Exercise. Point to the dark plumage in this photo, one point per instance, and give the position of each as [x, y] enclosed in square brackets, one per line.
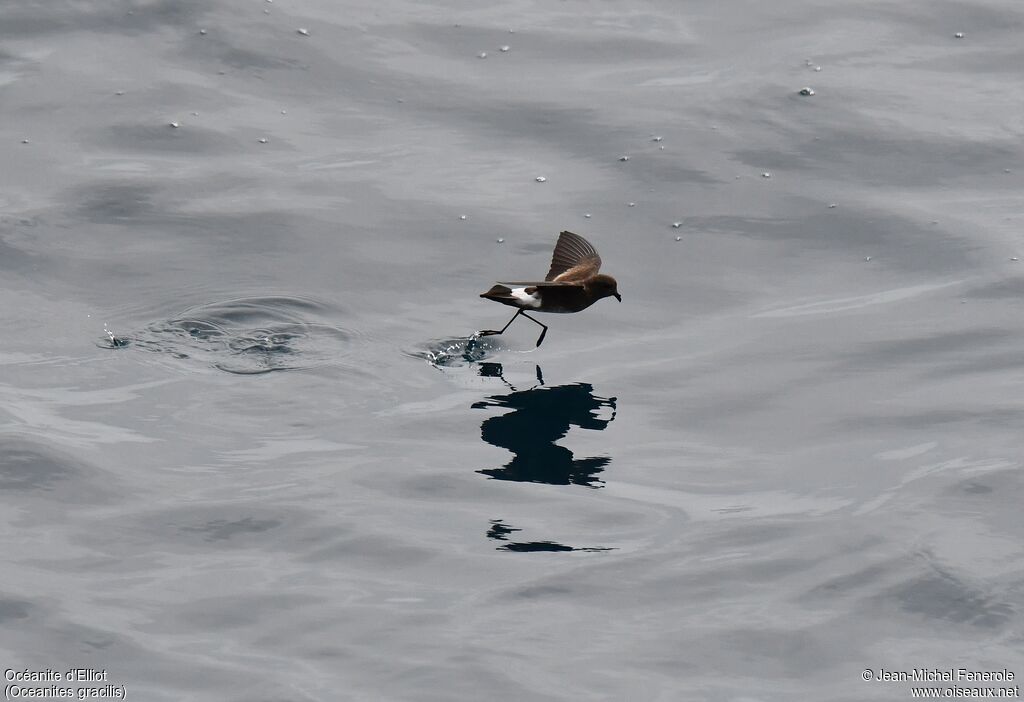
[572, 284]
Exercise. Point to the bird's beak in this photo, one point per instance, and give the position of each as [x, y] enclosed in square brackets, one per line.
[618, 297]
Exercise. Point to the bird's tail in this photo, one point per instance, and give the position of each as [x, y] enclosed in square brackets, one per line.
[498, 292]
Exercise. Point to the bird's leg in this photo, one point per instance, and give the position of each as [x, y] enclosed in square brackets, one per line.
[491, 332]
[540, 339]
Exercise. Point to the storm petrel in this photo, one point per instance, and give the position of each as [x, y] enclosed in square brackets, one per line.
[572, 284]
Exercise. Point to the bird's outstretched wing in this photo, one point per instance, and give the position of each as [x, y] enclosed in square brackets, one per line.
[574, 259]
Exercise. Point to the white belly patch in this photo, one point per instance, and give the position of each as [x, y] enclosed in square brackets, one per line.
[527, 299]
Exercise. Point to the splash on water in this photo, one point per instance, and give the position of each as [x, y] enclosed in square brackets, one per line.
[448, 353]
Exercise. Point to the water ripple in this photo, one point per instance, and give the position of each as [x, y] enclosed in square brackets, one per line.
[248, 336]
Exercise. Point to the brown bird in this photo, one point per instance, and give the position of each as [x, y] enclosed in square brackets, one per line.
[572, 284]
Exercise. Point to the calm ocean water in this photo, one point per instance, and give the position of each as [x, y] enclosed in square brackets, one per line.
[247, 452]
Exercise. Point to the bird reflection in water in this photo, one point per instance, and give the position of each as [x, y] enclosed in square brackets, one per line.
[540, 416]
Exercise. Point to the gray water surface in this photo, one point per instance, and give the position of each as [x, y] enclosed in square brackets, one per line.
[250, 450]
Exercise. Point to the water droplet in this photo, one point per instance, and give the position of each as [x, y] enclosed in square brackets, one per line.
[623, 158]
[263, 140]
[806, 91]
[303, 31]
[175, 125]
[505, 48]
[959, 35]
[766, 174]
[462, 216]
[540, 179]
[501, 241]
[679, 238]
[632, 204]
[676, 225]
[482, 54]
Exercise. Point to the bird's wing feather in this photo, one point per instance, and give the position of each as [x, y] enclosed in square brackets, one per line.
[574, 259]
[542, 283]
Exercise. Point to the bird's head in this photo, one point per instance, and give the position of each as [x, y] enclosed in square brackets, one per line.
[605, 286]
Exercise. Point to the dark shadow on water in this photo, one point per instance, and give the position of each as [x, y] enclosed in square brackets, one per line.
[500, 532]
[541, 416]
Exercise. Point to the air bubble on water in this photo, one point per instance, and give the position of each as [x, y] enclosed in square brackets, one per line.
[540, 179]
[303, 31]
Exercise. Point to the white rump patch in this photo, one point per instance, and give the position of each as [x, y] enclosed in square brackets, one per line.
[528, 299]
